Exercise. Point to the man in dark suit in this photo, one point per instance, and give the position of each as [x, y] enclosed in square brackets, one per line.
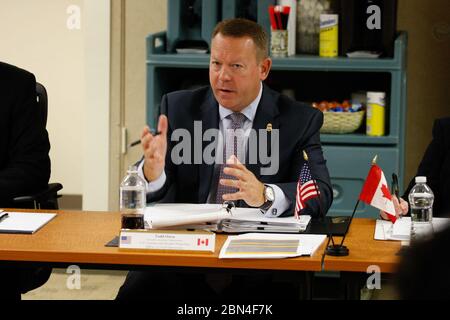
[435, 165]
[238, 67]
[24, 160]
[236, 100]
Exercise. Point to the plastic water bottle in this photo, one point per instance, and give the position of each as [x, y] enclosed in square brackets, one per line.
[421, 200]
[132, 200]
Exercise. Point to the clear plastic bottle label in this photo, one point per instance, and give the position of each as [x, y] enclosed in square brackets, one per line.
[132, 200]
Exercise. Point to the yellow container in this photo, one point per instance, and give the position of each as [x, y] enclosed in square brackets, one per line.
[376, 111]
[329, 35]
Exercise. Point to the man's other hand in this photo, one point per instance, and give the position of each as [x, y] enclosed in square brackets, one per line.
[401, 208]
[155, 149]
[250, 189]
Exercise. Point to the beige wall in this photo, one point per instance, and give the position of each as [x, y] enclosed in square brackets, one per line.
[74, 66]
[34, 36]
[131, 22]
[96, 143]
[428, 26]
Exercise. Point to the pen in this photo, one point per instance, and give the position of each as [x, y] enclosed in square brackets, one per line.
[395, 186]
[4, 216]
[135, 143]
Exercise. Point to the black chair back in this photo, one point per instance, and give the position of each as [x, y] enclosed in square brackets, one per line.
[48, 198]
[42, 101]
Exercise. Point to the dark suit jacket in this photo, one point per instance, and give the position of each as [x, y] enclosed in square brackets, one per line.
[298, 126]
[24, 144]
[435, 166]
[423, 273]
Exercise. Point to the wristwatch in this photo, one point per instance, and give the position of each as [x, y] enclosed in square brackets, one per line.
[269, 198]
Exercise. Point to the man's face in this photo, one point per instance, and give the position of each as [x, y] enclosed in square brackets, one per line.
[235, 72]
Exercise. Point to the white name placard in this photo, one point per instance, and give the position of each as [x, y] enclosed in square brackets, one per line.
[167, 240]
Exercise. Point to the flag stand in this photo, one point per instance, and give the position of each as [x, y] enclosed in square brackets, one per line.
[367, 195]
[339, 250]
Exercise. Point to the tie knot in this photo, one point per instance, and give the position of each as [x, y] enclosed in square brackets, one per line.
[237, 119]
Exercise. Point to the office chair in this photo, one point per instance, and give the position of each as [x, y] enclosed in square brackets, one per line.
[47, 198]
[33, 277]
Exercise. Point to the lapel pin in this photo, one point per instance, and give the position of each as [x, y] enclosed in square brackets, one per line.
[269, 127]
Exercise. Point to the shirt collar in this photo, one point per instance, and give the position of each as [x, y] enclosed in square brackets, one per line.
[249, 111]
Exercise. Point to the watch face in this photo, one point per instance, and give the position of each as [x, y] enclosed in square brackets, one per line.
[270, 196]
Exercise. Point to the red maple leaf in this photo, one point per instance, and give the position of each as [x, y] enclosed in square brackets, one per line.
[385, 191]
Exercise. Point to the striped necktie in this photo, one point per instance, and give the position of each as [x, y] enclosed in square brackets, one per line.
[233, 144]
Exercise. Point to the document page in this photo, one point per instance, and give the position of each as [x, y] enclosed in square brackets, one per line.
[400, 231]
[24, 222]
[270, 246]
[386, 230]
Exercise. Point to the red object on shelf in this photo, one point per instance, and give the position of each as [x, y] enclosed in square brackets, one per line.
[272, 17]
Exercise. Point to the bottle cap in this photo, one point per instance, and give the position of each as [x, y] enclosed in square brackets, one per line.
[421, 179]
[132, 167]
[376, 98]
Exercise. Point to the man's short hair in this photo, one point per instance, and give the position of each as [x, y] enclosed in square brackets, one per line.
[239, 28]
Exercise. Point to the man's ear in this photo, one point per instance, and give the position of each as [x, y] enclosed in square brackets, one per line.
[265, 66]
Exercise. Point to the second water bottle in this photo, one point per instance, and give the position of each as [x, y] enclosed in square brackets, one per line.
[421, 200]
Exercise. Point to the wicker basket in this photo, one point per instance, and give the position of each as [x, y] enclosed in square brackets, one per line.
[342, 122]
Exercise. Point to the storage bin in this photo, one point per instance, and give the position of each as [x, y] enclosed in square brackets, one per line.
[342, 122]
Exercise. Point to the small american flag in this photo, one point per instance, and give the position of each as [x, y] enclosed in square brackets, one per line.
[125, 239]
[306, 189]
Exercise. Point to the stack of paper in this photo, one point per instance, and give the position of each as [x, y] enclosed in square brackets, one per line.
[255, 221]
[214, 217]
[364, 54]
[270, 246]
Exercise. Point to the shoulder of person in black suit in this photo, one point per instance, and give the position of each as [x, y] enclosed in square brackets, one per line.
[435, 165]
[24, 144]
[423, 270]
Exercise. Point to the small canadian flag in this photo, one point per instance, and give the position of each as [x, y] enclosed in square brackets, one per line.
[376, 193]
[202, 242]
